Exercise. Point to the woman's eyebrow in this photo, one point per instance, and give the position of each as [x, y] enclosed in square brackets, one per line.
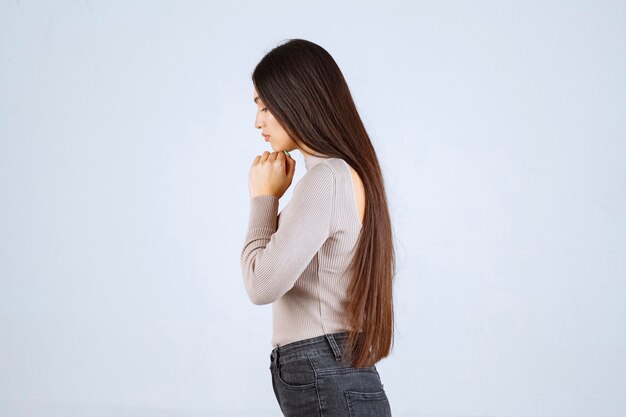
[256, 99]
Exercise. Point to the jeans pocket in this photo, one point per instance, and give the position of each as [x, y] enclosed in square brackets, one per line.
[296, 373]
[367, 404]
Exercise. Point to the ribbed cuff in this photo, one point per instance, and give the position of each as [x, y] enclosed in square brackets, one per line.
[263, 212]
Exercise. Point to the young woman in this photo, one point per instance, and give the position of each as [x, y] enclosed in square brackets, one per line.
[326, 261]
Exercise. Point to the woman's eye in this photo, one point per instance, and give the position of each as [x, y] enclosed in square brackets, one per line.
[264, 109]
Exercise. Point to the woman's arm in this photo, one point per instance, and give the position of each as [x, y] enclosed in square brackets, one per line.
[273, 257]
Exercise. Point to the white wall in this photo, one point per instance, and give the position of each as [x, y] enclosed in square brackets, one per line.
[126, 135]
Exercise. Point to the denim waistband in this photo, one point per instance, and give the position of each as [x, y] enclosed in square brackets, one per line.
[330, 343]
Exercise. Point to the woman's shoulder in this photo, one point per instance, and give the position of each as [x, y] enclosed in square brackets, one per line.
[322, 174]
[327, 164]
[325, 172]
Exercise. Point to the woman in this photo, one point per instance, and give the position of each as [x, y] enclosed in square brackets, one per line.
[326, 261]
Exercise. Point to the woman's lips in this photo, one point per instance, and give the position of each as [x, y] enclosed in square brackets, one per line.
[267, 138]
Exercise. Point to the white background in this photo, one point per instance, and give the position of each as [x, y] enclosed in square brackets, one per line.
[127, 131]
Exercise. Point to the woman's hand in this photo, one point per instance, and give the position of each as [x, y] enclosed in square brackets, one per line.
[271, 173]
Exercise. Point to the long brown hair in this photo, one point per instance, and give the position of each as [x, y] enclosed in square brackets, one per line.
[304, 89]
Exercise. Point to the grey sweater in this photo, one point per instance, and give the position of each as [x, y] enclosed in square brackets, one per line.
[297, 259]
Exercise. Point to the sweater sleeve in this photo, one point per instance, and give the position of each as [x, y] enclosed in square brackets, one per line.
[273, 257]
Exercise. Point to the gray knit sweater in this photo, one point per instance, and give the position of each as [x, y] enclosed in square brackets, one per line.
[297, 259]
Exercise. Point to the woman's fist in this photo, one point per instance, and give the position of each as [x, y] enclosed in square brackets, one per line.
[271, 173]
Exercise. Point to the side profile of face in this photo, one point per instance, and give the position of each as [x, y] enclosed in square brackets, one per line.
[271, 130]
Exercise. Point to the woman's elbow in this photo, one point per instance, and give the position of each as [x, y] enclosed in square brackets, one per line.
[259, 298]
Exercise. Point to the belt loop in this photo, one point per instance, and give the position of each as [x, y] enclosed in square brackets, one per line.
[333, 346]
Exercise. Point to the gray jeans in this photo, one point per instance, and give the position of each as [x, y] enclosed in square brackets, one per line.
[309, 379]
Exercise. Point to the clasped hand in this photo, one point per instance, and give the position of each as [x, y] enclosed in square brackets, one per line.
[271, 174]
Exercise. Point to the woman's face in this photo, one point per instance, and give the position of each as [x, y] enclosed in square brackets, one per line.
[278, 137]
